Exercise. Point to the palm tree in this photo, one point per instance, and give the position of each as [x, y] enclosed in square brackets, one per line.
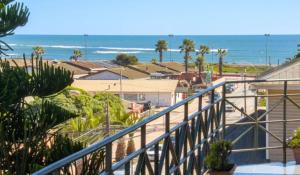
[161, 46]
[204, 49]
[38, 51]
[221, 53]
[187, 47]
[200, 63]
[76, 55]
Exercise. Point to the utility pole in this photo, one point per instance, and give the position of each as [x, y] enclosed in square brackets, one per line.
[121, 85]
[245, 93]
[107, 120]
[170, 46]
[85, 44]
[267, 40]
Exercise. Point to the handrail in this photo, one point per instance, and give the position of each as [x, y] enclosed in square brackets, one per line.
[108, 140]
[94, 147]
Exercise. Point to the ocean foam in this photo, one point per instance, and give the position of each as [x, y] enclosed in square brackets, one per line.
[127, 49]
[116, 52]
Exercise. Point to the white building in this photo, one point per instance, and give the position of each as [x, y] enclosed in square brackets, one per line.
[160, 92]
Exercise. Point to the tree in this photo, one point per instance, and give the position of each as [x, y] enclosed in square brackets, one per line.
[12, 16]
[160, 47]
[26, 126]
[221, 53]
[38, 51]
[76, 55]
[200, 63]
[120, 151]
[187, 47]
[201, 58]
[153, 60]
[125, 59]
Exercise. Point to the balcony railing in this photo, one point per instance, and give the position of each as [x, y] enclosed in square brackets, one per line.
[186, 143]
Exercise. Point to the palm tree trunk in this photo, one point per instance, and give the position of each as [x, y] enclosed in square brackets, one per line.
[160, 56]
[220, 66]
[200, 70]
[186, 61]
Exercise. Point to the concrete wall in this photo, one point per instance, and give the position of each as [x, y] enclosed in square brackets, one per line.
[277, 128]
[162, 99]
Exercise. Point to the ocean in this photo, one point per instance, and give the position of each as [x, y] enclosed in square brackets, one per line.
[242, 49]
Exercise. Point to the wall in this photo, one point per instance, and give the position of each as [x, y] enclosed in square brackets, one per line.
[162, 99]
[277, 128]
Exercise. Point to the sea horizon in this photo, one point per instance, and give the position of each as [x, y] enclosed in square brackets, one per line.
[242, 49]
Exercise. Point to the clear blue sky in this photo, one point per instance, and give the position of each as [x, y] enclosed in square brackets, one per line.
[161, 17]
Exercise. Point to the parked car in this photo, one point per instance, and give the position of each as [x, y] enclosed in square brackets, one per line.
[229, 108]
[230, 88]
[151, 152]
[217, 96]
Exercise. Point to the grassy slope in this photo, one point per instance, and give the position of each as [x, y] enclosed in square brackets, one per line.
[235, 68]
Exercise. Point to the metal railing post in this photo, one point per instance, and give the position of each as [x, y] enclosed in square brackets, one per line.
[284, 121]
[186, 113]
[167, 130]
[212, 115]
[223, 111]
[108, 158]
[143, 145]
[200, 130]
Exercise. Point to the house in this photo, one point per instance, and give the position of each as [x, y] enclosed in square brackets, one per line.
[159, 92]
[289, 70]
[77, 71]
[86, 65]
[155, 71]
[116, 74]
[177, 67]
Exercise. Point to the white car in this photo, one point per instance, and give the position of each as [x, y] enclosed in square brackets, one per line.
[229, 108]
[151, 152]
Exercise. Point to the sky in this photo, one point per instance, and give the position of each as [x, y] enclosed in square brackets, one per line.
[162, 17]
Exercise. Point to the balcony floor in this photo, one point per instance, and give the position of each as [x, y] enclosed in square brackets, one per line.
[269, 168]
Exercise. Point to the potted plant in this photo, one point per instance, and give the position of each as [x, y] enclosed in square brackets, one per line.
[294, 143]
[217, 159]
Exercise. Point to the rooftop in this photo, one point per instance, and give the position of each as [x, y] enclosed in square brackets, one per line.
[76, 70]
[86, 65]
[152, 68]
[140, 85]
[178, 67]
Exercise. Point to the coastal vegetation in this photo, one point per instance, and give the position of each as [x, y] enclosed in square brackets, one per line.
[221, 54]
[76, 55]
[203, 50]
[187, 47]
[236, 68]
[13, 15]
[27, 125]
[160, 47]
[125, 59]
[38, 51]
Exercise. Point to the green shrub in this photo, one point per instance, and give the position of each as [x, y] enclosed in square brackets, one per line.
[217, 158]
[294, 142]
[125, 59]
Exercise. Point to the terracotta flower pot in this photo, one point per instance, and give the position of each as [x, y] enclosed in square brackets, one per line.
[229, 172]
[297, 155]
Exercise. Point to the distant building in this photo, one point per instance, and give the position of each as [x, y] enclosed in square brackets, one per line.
[177, 67]
[86, 65]
[290, 70]
[77, 71]
[116, 74]
[155, 71]
[160, 92]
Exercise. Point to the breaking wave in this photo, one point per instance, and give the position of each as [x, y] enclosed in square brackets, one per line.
[116, 52]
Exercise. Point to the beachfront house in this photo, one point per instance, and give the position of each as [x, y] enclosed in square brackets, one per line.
[160, 93]
[116, 74]
[289, 70]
